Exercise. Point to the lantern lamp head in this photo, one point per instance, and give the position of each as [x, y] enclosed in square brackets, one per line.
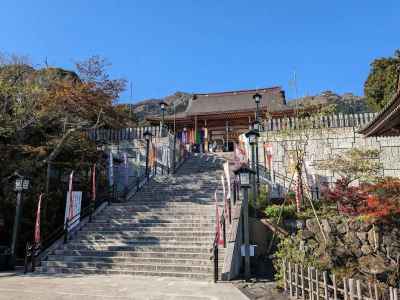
[257, 98]
[244, 175]
[256, 126]
[252, 135]
[163, 105]
[147, 135]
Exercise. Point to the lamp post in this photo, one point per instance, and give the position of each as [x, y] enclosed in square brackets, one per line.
[147, 136]
[252, 136]
[257, 99]
[21, 184]
[257, 127]
[244, 174]
[163, 107]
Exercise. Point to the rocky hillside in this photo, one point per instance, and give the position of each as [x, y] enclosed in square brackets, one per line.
[151, 107]
[344, 103]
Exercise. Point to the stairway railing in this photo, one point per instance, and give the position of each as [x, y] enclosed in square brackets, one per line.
[34, 251]
[221, 225]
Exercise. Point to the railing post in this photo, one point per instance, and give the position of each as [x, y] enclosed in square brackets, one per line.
[27, 254]
[224, 229]
[66, 232]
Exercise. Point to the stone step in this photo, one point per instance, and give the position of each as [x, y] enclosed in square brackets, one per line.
[89, 271]
[171, 213]
[155, 222]
[131, 267]
[143, 229]
[144, 239]
[154, 253]
[149, 248]
[133, 234]
[144, 242]
[133, 260]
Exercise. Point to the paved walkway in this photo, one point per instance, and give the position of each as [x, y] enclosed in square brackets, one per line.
[67, 287]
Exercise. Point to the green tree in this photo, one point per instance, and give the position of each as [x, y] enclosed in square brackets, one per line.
[382, 81]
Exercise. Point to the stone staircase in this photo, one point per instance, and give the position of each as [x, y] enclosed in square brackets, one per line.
[167, 229]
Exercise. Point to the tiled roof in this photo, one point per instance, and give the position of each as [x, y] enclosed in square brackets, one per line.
[273, 99]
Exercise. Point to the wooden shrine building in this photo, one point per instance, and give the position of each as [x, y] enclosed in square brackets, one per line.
[215, 120]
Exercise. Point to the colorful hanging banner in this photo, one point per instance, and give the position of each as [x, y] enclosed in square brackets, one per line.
[69, 196]
[126, 171]
[94, 183]
[37, 223]
[228, 179]
[111, 169]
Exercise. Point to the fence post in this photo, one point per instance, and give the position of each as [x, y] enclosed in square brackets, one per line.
[296, 280]
[310, 285]
[345, 294]
[325, 277]
[302, 281]
[290, 280]
[359, 296]
[334, 287]
[317, 282]
[284, 276]
[351, 288]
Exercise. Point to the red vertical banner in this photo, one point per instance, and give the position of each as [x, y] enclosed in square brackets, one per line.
[94, 183]
[71, 205]
[37, 223]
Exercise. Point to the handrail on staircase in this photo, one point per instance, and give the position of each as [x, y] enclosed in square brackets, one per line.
[33, 250]
[221, 224]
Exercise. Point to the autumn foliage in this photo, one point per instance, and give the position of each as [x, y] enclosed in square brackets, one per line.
[379, 201]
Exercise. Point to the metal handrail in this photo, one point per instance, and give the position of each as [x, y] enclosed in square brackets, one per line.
[33, 250]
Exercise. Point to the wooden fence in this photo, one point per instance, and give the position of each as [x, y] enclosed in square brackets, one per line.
[329, 121]
[311, 284]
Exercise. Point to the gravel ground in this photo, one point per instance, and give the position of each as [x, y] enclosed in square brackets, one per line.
[260, 290]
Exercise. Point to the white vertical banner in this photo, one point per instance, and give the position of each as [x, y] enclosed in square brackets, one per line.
[126, 169]
[228, 179]
[223, 186]
[73, 209]
[111, 169]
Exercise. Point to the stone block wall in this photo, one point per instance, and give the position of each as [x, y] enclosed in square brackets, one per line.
[323, 144]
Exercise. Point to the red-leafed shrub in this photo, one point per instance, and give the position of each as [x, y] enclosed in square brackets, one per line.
[379, 201]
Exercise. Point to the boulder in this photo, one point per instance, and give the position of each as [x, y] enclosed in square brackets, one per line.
[342, 228]
[374, 265]
[362, 236]
[366, 249]
[306, 234]
[312, 225]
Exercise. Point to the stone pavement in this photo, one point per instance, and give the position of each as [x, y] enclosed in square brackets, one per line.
[67, 287]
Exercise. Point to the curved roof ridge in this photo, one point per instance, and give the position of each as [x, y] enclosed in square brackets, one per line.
[265, 89]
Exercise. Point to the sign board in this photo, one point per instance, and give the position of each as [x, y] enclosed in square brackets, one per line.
[76, 210]
[252, 249]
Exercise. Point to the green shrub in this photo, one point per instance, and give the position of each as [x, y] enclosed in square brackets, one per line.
[273, 211]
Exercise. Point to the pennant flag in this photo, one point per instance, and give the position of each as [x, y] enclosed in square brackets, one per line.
[37, 223]
[94, 183]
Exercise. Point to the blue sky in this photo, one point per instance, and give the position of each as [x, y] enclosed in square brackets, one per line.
[204, 46]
